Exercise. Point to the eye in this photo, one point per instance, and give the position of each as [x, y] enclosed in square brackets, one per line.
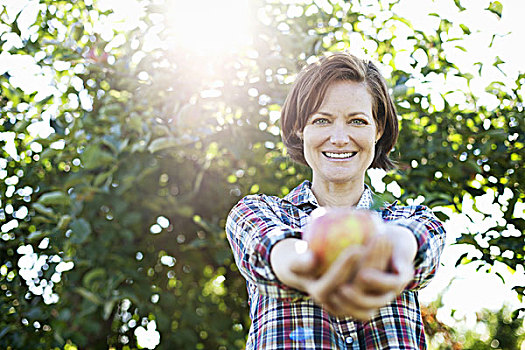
[358, 121]
[320, 121]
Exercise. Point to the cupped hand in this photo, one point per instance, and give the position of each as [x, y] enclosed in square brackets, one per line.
[383, 272]
[360, 281]
[296, 266]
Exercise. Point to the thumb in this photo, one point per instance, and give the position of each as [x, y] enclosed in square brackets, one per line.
[344, 267]
[378, 253]
[340, 272]
[404, 269]
[304, 264]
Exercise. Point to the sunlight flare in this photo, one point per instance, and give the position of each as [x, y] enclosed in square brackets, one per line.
[209, 26]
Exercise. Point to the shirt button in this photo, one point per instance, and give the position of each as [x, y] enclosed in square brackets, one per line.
[349, 340]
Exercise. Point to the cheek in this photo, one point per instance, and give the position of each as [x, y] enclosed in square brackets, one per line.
[311, 140]
[366, 138]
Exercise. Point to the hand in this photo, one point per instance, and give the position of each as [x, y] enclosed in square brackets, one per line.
[296, 266]
[356, 284]
[379, 280]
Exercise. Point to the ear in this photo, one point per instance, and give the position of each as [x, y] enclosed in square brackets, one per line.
[379, 134]
[299, 134]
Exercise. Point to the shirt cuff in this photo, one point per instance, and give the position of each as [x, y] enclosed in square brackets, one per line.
[419, 230]
[271, 286]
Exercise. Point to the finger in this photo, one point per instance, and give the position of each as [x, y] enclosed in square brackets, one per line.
[378, 253]
[344, 267]
[350, 301]
[305, 264]
[338, 306]
[403, 267]
[353, 297]
[339, 272]
[382, 282]
[331, 308]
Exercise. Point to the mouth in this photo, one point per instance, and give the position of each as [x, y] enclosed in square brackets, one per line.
[339, 155]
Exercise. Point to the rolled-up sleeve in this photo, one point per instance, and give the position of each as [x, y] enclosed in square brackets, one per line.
[252, 229]
[430, 237]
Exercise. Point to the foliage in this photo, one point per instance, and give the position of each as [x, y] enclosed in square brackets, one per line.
[116, 218]
[491, 330]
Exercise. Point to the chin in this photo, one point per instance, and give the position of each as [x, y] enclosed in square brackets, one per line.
[340, 180]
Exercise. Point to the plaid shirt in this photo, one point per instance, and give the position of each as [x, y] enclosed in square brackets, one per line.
[285, 318]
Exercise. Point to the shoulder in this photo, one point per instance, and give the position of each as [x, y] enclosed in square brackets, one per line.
[256, 200]
[412, 215]
[256, 203]
[394, 211]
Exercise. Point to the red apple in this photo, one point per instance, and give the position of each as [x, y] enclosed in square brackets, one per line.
[331, 230]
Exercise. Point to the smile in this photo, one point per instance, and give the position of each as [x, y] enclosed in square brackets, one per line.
[345, 155]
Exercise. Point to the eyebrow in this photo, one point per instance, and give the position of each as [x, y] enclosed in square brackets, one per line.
[352, 114]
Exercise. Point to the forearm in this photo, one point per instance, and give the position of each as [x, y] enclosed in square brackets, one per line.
[405, 242]
[284, 258]
[430, 237]
[253, 232]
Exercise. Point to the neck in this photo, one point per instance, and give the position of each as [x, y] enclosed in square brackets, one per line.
[329, 194]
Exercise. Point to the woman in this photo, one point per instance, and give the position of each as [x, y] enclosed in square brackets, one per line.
[339, 120]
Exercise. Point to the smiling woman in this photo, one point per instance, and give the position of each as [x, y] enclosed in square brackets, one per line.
[210, 26]
[340, 121]
[339, 139]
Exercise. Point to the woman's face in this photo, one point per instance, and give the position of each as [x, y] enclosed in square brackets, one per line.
[339, 139]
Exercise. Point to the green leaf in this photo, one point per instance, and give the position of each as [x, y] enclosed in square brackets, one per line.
[162, 143]
[459, 6]
[521, 291]
[42, 209]
[103, 177]
[441, 216]
[64, 222]
[54, 198]
[78, 31]
[95, 299]
[37, 235]
[495, 7]
[94, 157]
[108, 308]
[93, 275]
[81, 229]
[517, 313]
[465, 29]
[6, 330]
[497, 62]
[461, 260]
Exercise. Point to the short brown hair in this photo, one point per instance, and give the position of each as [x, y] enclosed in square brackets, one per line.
[310, 88]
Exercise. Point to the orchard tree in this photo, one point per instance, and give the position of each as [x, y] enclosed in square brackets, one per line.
[124, 152]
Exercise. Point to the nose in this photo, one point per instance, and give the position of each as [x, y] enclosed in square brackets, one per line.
[338, 136]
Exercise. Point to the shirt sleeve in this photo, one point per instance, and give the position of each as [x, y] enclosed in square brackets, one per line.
[252, 229]
[430, 237]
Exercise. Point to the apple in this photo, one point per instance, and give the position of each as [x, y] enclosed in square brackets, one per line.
[331, 230]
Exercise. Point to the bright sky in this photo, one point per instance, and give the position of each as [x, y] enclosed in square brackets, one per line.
[225, 26]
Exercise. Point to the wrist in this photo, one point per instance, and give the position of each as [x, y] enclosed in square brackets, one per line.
[404, 241]
[284, 257]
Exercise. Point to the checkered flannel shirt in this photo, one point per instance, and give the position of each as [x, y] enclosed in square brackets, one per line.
[285, 318]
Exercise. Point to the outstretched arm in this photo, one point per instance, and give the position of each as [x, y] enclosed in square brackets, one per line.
[253, 228]
[360, 281]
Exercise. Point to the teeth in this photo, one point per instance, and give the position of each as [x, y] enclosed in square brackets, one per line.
[339, 155]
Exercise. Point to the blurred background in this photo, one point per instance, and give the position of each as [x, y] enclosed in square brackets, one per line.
[128, 129]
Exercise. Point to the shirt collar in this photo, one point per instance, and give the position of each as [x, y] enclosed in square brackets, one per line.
[303, 194]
